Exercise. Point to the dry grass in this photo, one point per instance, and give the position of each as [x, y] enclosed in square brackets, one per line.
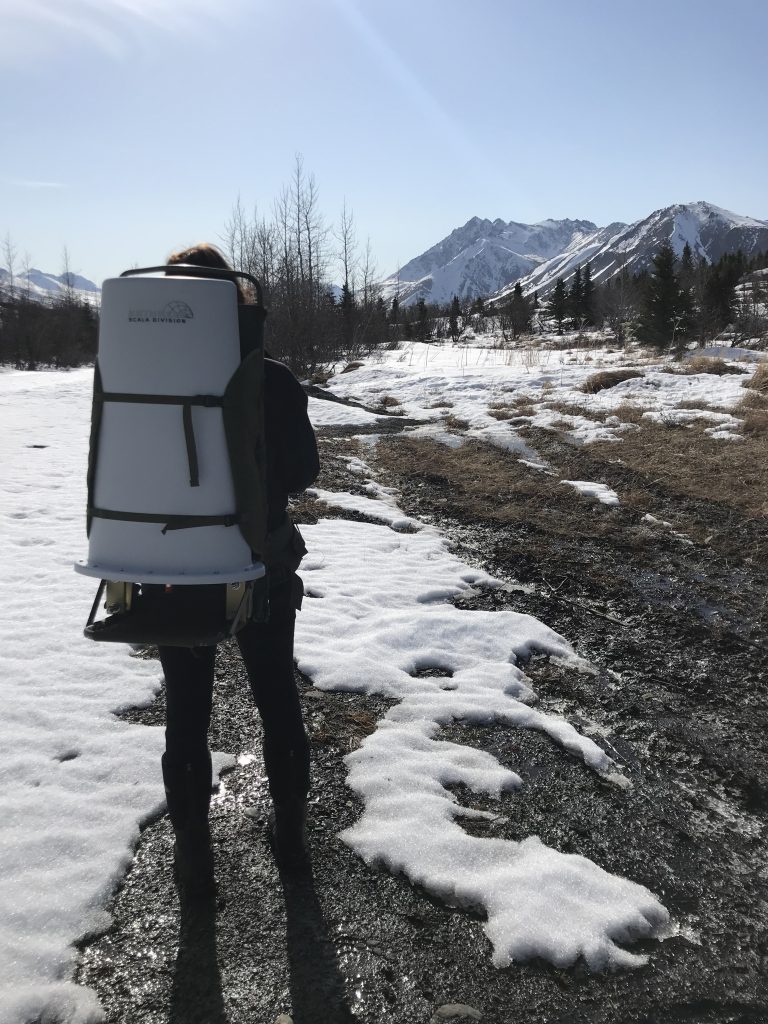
[391, 405]
[756, 423]
[440, 405]
[704, 364]
[629, 413]
[486, 483]
[607, 379]
[573, 409]
[321, 377]
[753, 400]
[509, 408]
[700, 406]
[689, 464]
[759, 380]
[352, 366]
[455, 422]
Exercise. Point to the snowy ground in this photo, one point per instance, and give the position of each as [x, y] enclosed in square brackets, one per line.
[79, 781]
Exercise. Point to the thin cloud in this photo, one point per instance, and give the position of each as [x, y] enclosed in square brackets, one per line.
[26, 183]
[115, 27]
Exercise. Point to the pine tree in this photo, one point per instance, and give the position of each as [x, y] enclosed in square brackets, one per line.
[587, 297]
[687, 268]
[422, 324]
[453, 318]
[558, 304]
[663, 315]
[576, 298]
[520, 311]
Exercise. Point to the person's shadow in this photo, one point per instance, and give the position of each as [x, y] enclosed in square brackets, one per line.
[196, 997]
[315, 980]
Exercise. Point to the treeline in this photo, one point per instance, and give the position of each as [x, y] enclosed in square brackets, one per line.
[60, 332]
[675, 302]
[296, 254]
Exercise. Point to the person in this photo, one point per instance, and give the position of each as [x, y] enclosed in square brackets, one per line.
[266, 648]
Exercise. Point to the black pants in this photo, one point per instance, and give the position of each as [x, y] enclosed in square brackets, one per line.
[267, 651]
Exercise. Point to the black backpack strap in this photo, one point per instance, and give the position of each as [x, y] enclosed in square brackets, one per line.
[186, 402]
[170, 522]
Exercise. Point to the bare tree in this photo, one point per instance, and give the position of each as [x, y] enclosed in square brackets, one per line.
[347, 254]
[9, 256]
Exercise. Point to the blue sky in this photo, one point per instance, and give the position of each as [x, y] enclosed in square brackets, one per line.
[130, 127]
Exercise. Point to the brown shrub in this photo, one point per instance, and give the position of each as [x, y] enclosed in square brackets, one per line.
[607, 379]
[705, 364]
[455, 422]
[755, 422]
[320, 377]
[572, 409]
[629, 413]
[759, 380]
[753, 400]
[389, 401]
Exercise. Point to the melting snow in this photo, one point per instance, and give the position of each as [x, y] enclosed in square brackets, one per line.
[378, 618]
[602, 492]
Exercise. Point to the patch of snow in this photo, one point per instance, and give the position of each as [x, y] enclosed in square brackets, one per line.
[77, 781]
[323, 414]
[375, 508]
[602, 492]
[382, 618]
[648, 518]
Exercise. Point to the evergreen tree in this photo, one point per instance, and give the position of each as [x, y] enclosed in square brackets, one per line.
[576, 298]
[663, 315]
[422, 323]
[587, 311]
[558, 304]
[520, 311]
[453, 318]
[687, 268]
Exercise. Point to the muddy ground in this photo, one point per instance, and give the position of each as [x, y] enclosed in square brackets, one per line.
[676, 632]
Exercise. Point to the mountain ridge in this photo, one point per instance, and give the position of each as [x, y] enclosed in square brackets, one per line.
[487, 258]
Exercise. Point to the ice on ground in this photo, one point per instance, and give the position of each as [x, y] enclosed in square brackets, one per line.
[76, 781]
[602, 492]
[377, 621]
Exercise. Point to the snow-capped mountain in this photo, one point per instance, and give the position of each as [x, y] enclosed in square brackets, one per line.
[709, 230]
[41, 286]
[487, 257]
[481, 257]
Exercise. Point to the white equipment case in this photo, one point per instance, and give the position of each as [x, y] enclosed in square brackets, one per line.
[168, 524]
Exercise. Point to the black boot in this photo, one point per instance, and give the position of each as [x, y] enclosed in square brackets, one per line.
[289, 841]
[188, 792]
[288, 776]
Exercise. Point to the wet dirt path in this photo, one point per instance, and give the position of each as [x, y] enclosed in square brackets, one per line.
[678, 696]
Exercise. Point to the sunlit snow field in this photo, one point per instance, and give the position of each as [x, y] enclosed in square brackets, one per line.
[77, 782]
